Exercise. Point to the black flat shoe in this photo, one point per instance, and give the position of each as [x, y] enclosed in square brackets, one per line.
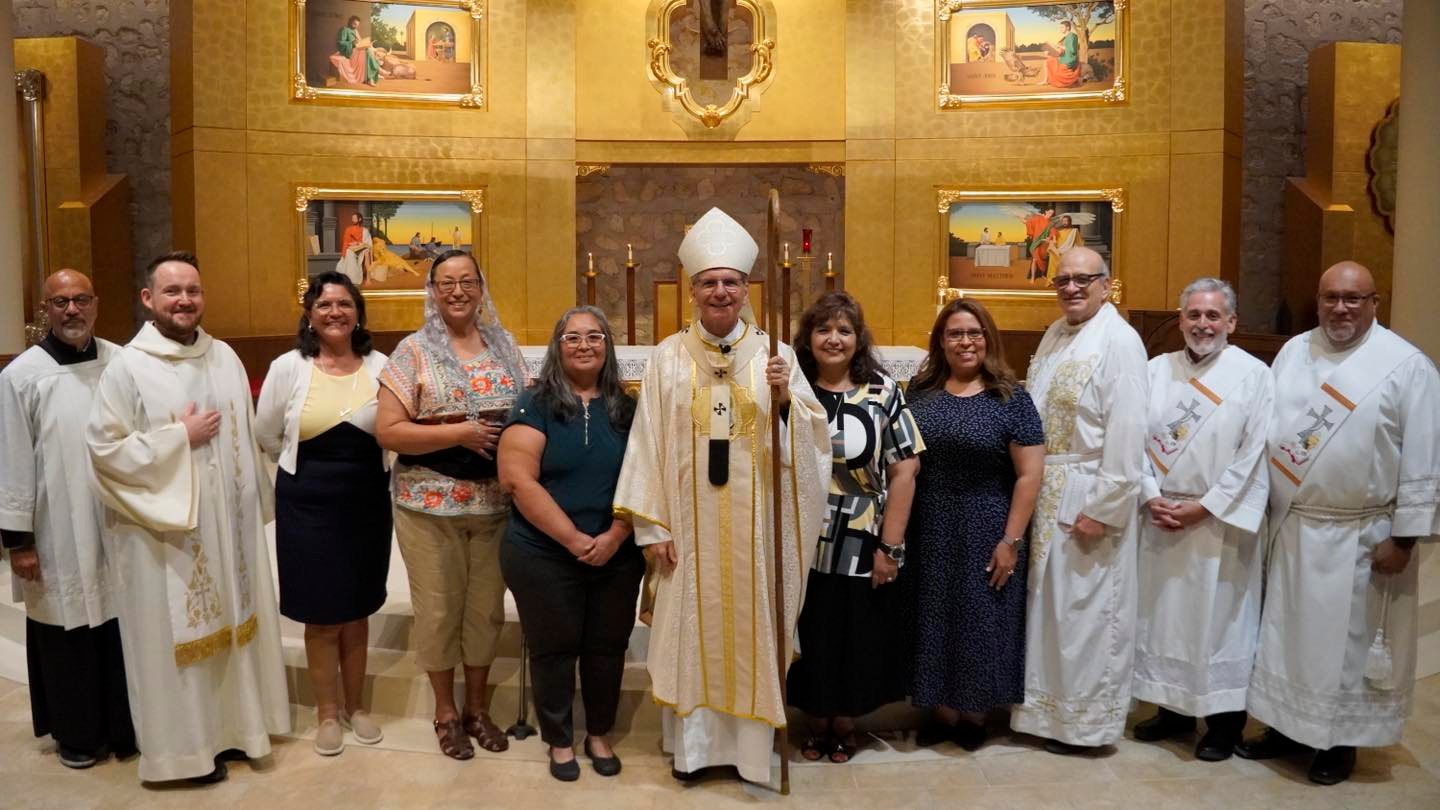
[79, 760]
[1215, 746]
[1333, 765]
[1269, 745]
[217, 775]
[605, 766]
[687, 776]
[1067, 749]
[232, 755]
[1164, 725]
[934, 733]
[564, 771]
[969, 736]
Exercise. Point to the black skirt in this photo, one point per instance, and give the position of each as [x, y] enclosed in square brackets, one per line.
[853, 659]
[333, 528]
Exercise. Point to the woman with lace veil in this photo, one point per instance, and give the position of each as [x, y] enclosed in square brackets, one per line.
[444, 396]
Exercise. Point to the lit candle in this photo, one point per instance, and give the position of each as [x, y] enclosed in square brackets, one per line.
[629, 252]
[787, 251]
[829, 261]
[592, 261]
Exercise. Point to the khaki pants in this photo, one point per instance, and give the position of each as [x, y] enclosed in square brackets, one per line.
[456, 590]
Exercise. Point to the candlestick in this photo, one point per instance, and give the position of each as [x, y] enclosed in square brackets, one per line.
[629, 252]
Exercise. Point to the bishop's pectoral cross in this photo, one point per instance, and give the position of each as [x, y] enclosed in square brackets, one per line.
[714, 38]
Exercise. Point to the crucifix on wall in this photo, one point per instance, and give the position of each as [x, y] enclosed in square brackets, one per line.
[714, 38]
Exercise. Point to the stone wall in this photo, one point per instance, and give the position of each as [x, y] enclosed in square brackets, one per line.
[1279, 35]
[136, 37]
[649, 206]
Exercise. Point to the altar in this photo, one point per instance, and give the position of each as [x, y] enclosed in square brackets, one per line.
[992, 256]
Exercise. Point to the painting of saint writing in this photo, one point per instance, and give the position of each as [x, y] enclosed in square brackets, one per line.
[1053, 48]
[981, 258]
[388, 47]
[384, 244]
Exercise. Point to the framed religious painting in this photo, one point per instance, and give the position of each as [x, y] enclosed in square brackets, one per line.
[419, 52]
[1007, 244]
[384, 239]
[1000, 53]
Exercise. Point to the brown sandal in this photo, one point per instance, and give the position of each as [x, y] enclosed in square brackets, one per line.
[485, 732]
[454, 742]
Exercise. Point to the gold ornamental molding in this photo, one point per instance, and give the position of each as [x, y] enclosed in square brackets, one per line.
[827, 169]
[714, 120]
[592, 169]
[954, 98]
[474, 99]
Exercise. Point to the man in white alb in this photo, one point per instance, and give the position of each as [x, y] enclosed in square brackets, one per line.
[696, 484]
[187, 499]
[50, 524]
[1354, 456]
[1088, 381]
[1204, 491]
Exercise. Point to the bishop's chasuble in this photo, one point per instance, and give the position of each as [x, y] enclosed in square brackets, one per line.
[186, 529]
[1354, 457]
[712, 655]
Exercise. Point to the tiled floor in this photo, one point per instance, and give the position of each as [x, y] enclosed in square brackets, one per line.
[1008, 773]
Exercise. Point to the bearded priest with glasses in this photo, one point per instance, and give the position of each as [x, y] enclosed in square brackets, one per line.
[696, 485]
[1089, 381]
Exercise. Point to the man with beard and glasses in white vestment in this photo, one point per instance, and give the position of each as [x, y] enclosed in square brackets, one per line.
[176, 464]
[1354, 455]
[50, 524]
[1204, 490]
[1088, 380]
[696, 485]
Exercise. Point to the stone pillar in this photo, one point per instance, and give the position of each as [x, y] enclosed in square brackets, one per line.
[12, 207]
[1417, 220]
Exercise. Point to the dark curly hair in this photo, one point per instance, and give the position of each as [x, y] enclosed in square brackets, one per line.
[865, 365]
[305, 339]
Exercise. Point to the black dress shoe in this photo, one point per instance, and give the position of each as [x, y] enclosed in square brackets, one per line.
[1333, 765]
[564, 771]
[605, 766]
[1164, 725]
[232, 755]
[1067, 749]
[969, 736]
[1215, 746]
[77, 759]
[217, 775]
[687, 776]
[1269, 745]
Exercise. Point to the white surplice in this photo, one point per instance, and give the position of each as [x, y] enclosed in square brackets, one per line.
[1199, 611]
[1377, 476]
[712, 657]
[186, 531]
[1089, 384]
[45, 486]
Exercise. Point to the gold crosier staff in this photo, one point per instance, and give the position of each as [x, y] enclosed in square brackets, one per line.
[772, 325]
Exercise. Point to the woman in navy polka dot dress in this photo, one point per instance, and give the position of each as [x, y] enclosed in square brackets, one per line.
[967, 557]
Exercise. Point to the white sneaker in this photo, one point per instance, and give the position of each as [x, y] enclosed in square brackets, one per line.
[329, 738]
[366, 730]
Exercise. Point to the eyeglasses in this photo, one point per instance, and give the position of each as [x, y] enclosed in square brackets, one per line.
[731, 285]
[1350, 301]
[1080, 280]
[574, 339]
[962, 335]
[61, 302]
[448, 285]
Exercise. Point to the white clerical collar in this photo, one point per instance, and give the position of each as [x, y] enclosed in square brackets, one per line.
[730, 338]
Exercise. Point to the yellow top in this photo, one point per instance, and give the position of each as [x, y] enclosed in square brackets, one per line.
[331, 400]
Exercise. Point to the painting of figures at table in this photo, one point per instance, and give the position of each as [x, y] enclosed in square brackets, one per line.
[1018, 245]
[1052, 49]
[384, 244]
[388, 47]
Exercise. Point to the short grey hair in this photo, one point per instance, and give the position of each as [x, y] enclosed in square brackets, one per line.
[1209, 284]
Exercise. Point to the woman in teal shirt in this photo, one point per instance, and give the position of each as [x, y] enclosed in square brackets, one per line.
[572, 566]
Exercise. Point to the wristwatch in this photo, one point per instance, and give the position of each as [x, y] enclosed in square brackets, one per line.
[1013, 542]
[895, 552]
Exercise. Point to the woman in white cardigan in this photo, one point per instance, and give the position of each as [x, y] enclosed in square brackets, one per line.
[316, 417]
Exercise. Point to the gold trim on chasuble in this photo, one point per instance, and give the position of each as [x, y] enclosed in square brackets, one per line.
[200, 649]
[1061, 403]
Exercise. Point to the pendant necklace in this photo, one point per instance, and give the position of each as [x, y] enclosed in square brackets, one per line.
[585, 404]
[354, 383]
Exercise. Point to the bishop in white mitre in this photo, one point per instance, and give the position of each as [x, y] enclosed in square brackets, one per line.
[1354, 455]
[50, 525]
[1204, 492]
[1089, 381]
[696, 483]
[187, 499]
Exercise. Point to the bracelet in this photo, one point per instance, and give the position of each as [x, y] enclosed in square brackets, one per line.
[1013, 542]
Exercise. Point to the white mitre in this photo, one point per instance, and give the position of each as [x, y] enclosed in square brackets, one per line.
[717, 240]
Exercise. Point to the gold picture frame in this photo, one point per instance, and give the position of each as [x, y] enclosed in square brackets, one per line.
[1105, 206]
[313, 261]
[711, 119]
[471, 97]
[1012, 71]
